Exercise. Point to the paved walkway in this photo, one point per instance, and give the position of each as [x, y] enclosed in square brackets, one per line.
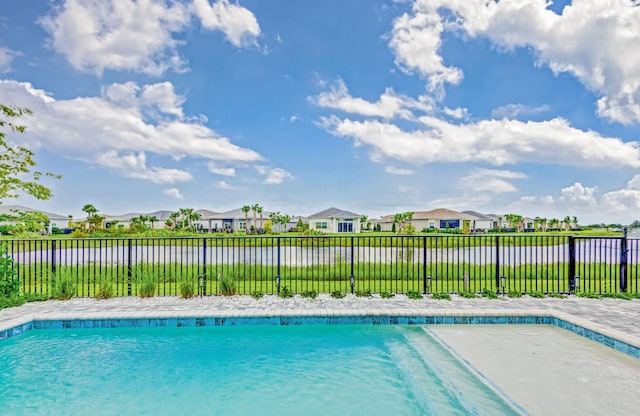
[619, 319]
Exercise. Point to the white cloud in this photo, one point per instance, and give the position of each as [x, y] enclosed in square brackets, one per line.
[579, 194]
[416, 42]
[133, 165]
[238, 24]
[398, 171]
[515, 110]
[274, 176]
[173, 193]
[596, 41]
[490, 180]
[497, 142]
[390, 104]
[6, 58]
[95, 35]
[223, 185]
[220, 170]
[457, 113]
[139, 35]
[117, 130]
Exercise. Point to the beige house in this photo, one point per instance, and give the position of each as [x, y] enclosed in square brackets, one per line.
[335, 220]
[437, 219]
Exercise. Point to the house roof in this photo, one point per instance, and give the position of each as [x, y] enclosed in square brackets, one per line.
[334, 213]
[234, 213]
[435, 214]
[9, 210]
[479, 215]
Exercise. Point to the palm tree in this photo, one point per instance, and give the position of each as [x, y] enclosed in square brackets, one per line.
[575, 221]
[284, 220]
[246, 209]
[363, 221]
[192, 218]
[153, 219]
[567, 223]
[90, 210]
[255, 208]
[173, 217]
[275, 218]
[258, 209]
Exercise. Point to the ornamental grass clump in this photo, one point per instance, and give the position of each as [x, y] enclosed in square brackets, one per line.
[64, 285]
[147, 282]
[227, 285]
[309, 294]
[105, 288]
[187, 287]
[414, 295]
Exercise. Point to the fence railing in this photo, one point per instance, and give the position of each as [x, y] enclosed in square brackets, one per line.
[266, 264]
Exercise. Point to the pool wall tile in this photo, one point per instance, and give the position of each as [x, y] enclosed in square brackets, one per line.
[345, 319]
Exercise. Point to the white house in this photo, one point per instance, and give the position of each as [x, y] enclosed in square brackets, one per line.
[334, 220]
[437, 219]
[55, 220]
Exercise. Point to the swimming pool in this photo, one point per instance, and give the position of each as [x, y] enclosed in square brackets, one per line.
[242, 370]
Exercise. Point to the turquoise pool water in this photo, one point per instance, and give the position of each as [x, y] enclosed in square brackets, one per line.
[247, 370]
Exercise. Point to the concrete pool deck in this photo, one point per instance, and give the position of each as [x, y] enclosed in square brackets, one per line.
[616, 318]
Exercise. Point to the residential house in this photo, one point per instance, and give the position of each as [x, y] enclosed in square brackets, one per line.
[55, 220]
[335, 220]
[437, 219]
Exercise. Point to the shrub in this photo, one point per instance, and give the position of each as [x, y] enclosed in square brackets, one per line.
[414, 295]
[227, 285]
[310, 294]
[556, 295]
[187, 287]
[489, 294]
[147, 282]
[625, 296]
[257, 295]
[441, 296]
[9, 283]
[64, 285]
[363, 293]
[285, 292]
[105, 288]
[467, 295]
[590, 295]
[387, 295]
[514, 294]
[336, 294]
[537, 295]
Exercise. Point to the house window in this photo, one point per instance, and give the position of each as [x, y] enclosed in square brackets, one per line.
[345, 226]
[322, 225]
[449, 224]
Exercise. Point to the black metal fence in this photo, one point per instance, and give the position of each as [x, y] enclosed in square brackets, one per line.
[399, 264]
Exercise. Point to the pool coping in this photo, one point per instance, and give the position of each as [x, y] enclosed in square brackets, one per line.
[610, 337]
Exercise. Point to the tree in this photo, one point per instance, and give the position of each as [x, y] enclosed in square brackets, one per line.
[259, 210]
[284, 220]
[16, 162]
[567, 223]
[153, 219]
[363, 222]
[246, 209]
[90, 210]
[255, 208]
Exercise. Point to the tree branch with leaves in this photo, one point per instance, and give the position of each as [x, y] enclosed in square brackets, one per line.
[17, 162]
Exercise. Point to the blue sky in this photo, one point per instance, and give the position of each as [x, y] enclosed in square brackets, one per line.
[375, 107]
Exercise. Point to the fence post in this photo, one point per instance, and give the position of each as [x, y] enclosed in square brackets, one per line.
[204, 266]
[129, 268]
[497, 264]
[572, 264]
[278, 267]
[623, 261]
[424, 264]
[53, 256]
[352, 278]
